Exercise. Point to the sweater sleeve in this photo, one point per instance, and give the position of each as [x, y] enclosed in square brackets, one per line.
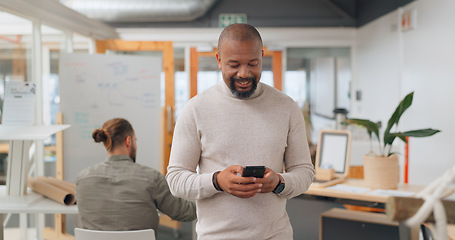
[299, 170]
[181, 175]
[176, 208]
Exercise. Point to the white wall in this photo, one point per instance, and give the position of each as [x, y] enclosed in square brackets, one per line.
[390, 63]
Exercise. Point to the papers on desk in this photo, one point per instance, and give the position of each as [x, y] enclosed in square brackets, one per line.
[369, 191]
[351, 189]
[384, 192]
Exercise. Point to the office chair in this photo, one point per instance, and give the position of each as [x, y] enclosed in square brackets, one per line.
[86, 234]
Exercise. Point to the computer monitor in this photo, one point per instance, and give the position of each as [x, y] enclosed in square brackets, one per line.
[334, 149]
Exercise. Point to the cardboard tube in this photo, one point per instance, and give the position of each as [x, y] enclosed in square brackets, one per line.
[69, 187]
[51, 191]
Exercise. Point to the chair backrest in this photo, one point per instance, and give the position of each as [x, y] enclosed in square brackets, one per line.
[85, 234]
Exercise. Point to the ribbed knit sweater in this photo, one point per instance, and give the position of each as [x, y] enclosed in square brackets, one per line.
[216, 130]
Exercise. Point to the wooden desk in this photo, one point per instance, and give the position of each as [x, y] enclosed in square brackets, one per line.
[316, 191]
[363, 199]
[31, 203]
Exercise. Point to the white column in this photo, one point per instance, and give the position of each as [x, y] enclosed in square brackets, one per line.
[187, 69]
[37, 78]
[46, 73]
[23, 222]
[92, 46]
[37, 74]
[69, 43]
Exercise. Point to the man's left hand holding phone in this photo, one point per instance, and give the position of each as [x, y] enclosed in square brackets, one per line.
[233, 181]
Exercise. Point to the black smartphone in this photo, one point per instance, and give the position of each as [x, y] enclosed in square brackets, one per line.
[253, 171]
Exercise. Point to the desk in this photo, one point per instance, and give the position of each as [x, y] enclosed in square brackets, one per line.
[360, 199]
[305, 210]
[21, 138]
[31, 203]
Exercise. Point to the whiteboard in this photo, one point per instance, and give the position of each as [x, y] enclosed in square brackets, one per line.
[96, 88]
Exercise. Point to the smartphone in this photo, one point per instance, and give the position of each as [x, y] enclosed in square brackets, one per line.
[253, 171]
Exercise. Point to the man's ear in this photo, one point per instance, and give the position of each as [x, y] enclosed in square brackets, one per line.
[218, 59]
[128, 141]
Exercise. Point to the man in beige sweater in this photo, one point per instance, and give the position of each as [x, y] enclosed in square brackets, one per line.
[240, 122]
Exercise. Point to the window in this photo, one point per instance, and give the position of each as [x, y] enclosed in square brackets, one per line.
[321, 77]
[15, 63]
[296, 85]
[53, 42]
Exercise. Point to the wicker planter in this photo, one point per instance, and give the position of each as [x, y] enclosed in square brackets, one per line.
[381, 172]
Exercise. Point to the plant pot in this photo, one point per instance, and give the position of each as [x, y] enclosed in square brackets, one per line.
[381, 172]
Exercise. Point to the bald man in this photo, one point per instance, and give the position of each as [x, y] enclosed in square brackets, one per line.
[240, 122]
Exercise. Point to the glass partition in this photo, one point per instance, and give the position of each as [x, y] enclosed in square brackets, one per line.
[15, 63]
[319, 79]
[53, 42]
[182, 81]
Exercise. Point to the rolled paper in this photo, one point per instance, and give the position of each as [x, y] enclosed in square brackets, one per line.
[67, 186]
[50, 191]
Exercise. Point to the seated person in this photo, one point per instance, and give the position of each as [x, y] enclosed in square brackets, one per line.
[120, 195]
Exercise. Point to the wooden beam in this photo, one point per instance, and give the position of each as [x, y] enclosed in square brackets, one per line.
[4, 147]
[121, 45]
[277, 69]
[208, 54]
[402, 208]
[267, 52]
[59, 230]
[59, 149]
[169, 98]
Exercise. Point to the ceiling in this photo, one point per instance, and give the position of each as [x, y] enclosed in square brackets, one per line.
[260, 13]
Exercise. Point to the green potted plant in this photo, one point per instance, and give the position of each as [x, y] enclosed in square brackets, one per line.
[381, 170]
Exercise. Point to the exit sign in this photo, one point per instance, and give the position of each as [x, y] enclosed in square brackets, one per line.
[227, 19]
[408, 20]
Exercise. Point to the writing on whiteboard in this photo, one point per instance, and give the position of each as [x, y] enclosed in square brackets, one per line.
[98, 87]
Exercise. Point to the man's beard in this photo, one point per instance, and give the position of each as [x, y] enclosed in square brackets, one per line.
[243, 94]
[133, 154]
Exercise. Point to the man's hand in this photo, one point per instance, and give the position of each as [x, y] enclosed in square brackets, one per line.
[269, 182]
[231, 181]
